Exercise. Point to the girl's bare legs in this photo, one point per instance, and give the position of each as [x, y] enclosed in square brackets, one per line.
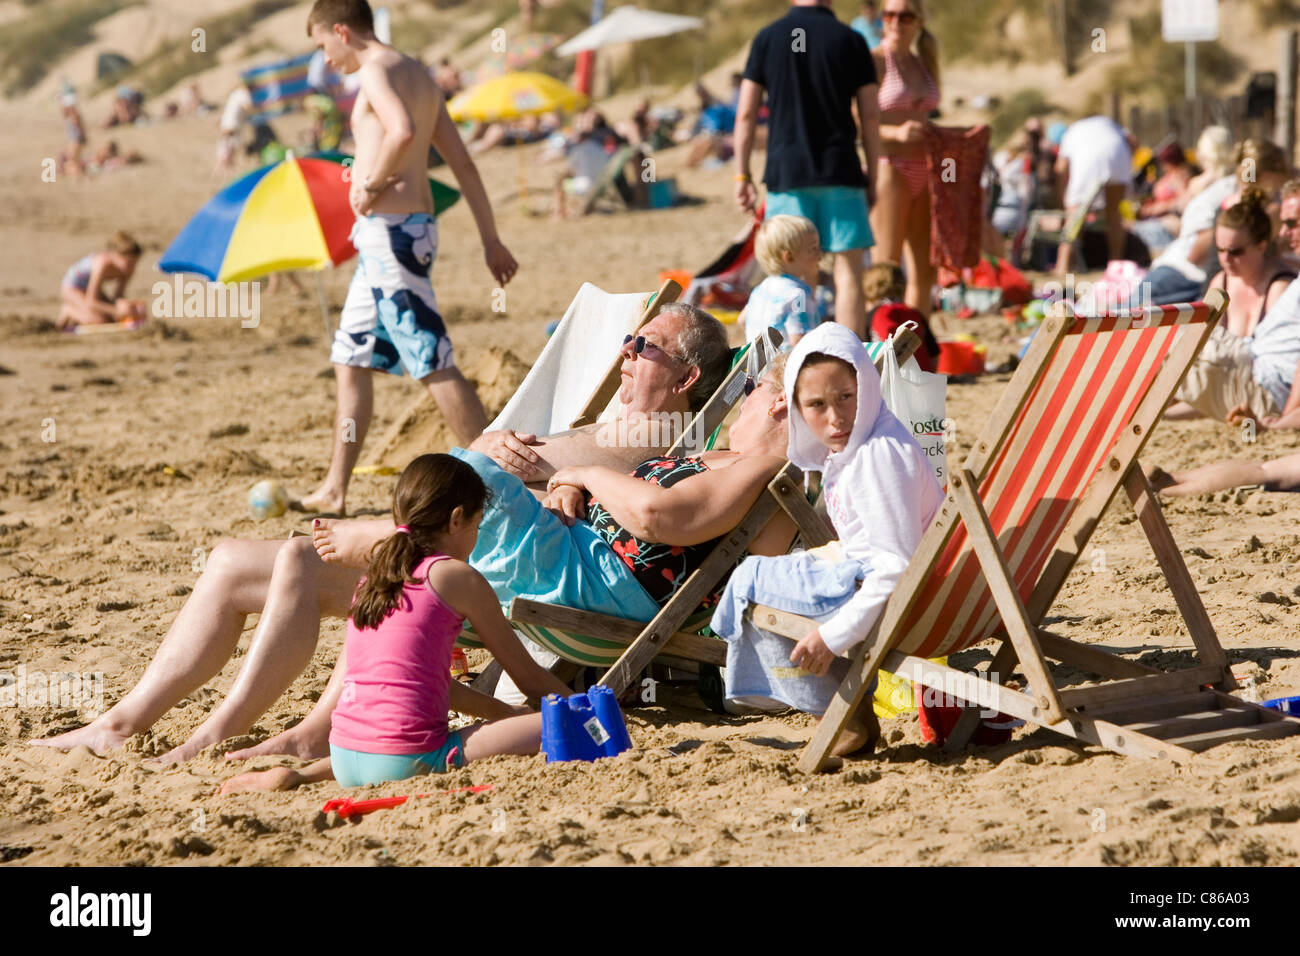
[521, 736]
[515, 735]
[233, 585]
[303, 589]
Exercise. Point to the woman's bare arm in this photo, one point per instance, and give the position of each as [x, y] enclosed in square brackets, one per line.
[692, 511]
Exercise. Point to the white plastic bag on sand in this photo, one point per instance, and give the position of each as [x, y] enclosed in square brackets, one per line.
[919, 400]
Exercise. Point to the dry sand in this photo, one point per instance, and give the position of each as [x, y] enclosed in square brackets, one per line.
[159, 434]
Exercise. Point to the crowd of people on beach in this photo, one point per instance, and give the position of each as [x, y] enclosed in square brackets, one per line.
[847, 125]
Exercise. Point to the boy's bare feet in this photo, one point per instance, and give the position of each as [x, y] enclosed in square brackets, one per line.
[97, 737]
[349, 542]
[294, 742]
[277, 778]
[322, 501]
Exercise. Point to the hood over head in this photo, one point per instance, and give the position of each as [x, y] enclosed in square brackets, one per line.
[805, 450]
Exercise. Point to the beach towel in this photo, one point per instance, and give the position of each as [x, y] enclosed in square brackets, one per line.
[278, 87]
[562, 378]
[956, 156]
[758, 661]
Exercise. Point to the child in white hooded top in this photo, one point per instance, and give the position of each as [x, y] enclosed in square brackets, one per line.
[880, 489]
[880, 492]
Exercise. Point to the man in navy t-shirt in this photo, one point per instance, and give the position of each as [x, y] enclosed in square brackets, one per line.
[814, 68]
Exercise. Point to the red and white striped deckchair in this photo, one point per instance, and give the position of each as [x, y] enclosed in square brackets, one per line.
[1063, 439]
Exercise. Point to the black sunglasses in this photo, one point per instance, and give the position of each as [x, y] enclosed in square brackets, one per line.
[642, 346]
[1290, 223]
[1234, 251]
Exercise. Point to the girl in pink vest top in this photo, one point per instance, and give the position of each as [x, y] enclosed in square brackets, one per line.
[391, 721]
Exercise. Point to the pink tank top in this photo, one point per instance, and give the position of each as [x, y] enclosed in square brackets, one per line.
[395, 692]
[894, 95]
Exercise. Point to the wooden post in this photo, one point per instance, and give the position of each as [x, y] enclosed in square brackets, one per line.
[1284, 131]
[1135, 124]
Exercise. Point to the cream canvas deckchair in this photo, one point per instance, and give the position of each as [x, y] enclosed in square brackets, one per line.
[1063, 440]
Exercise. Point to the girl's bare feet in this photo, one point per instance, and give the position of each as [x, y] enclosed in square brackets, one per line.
[349, 542]
[277, 778]
[297, 741]
[861, 734]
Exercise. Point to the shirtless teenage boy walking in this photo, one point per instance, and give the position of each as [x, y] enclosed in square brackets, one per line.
[390, 321]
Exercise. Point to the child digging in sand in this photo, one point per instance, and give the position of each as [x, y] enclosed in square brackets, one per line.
[880, 495]
[84, 295]
[391, 722]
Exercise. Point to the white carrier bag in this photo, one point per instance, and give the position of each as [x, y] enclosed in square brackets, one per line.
[919, 400]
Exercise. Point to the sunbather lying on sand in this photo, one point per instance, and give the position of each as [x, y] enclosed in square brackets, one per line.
[292, 588]
[1279, 474]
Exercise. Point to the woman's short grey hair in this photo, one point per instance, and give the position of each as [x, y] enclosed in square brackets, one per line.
[702, 342]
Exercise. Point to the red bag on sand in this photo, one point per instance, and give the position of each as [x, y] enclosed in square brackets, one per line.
[994, 273]
[888, 316]
[938, 721]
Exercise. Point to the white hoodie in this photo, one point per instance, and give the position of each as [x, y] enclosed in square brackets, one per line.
[880, 490]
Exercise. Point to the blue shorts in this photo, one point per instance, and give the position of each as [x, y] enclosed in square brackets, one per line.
[354, 768]
[390, 320]
[839, 212]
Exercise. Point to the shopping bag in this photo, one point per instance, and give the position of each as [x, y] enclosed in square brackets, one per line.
[919, 400]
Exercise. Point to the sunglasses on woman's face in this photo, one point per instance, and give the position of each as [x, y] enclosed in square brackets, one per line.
[643, 346]
[1290, 223]
[902, 16]
[1232, 253]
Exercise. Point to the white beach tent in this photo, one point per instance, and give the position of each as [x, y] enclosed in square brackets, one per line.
[628, 24]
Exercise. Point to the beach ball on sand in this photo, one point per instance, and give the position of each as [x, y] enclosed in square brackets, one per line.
[267, 499]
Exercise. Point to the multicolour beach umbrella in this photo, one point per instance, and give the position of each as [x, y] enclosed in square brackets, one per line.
[293, 214]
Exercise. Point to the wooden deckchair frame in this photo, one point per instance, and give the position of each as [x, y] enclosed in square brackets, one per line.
[1140, 711]
[1070, 230]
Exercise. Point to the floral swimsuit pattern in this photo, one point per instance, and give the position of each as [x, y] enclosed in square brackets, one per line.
[659, 568]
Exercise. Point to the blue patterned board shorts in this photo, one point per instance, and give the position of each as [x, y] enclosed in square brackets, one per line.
[390, 320]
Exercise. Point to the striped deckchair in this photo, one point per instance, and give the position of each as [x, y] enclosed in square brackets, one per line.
[1063, 439]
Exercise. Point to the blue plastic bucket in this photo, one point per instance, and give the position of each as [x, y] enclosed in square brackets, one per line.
[583, 726]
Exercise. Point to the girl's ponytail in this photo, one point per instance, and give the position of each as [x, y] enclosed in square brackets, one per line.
[392, 563]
